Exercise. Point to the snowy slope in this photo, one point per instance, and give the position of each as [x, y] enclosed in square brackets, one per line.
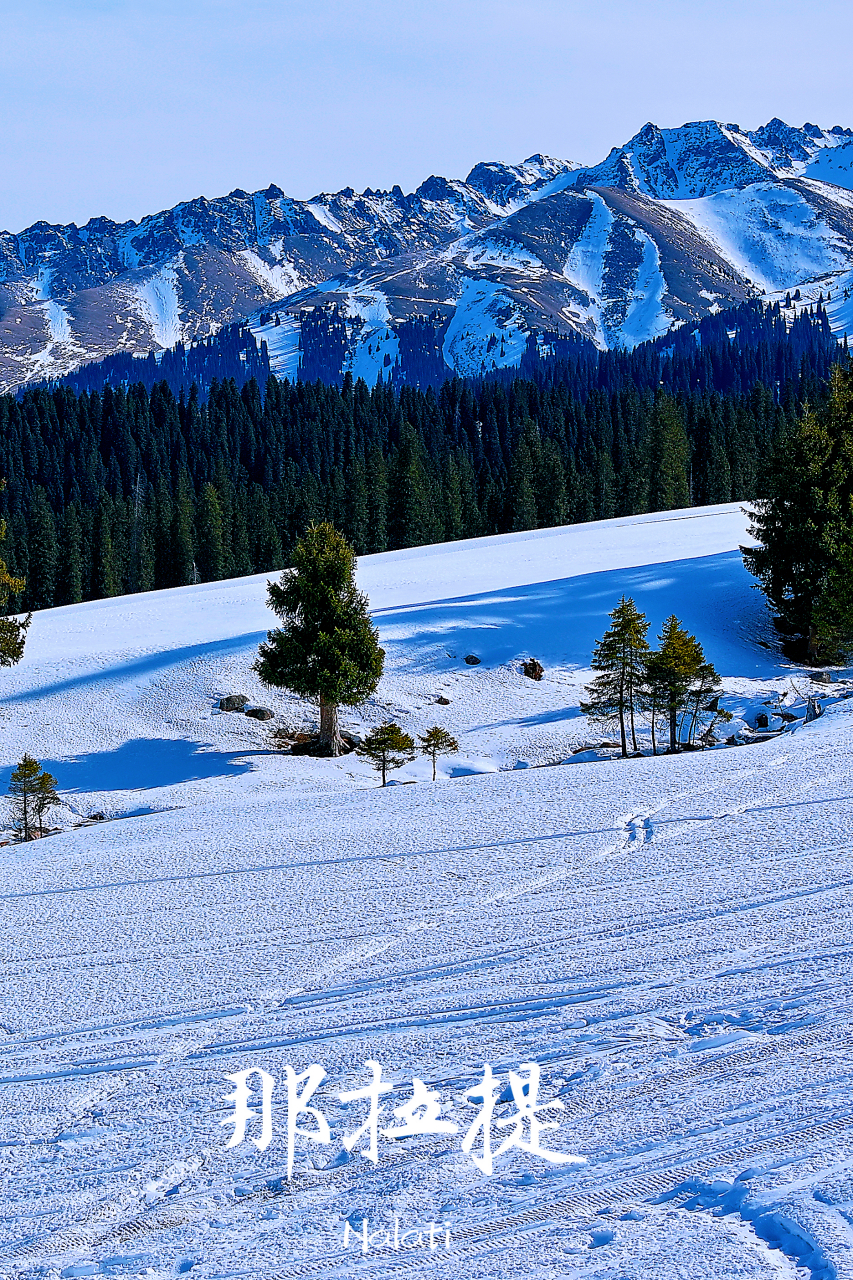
[669, 939]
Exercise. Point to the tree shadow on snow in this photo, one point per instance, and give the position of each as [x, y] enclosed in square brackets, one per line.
[142, 764]
[560, 621]
[530, 722]
[148, 664]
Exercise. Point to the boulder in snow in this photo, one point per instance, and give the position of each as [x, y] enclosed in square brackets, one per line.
[233, 702]
[259, 713]
[472, 659]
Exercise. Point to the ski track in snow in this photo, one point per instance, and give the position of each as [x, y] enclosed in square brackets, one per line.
[669, 939]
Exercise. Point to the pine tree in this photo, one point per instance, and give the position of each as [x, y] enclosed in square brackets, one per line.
[437, 742]
[551, 495]
[387, 747]
[832, 616]
[705, 689]
[619, 657]
[668, 458]
[522, 487]
[181, 554]
[358, 509]
[135, 566]
[670, 673]
[13, 631]
[410, 515]
[69, 580]
[803, 525]
[241, 560]
[46, 796]
[453, 510]
[43, 554]
[327, 647]
[209, 537]
[32, 792]
[105, 576]
[144, 556]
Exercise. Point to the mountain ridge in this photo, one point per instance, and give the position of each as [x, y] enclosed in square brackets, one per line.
[670, 226]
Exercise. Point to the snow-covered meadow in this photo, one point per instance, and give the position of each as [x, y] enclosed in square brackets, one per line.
[669, 939]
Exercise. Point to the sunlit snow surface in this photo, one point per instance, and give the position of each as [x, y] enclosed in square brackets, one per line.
[669, 939]
[770, 234]
[158, 303]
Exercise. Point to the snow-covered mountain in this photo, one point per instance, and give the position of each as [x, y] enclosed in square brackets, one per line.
[674, 224]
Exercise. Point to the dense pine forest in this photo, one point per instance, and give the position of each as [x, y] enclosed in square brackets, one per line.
[135, 487]
[230, 353]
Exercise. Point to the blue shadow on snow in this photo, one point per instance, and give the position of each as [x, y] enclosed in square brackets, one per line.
[151, 662]
[142, 764]
[560, 621]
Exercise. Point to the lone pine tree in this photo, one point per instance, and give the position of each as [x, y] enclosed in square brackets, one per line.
[437, 742]
[619, 658]
[387, 747]
[327, 647]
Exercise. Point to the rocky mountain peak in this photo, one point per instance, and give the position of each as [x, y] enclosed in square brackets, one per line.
[672, 224]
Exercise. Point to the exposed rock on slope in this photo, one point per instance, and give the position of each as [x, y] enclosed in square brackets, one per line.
[675, 224]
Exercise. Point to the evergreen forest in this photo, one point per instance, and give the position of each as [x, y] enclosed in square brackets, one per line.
[147, 484]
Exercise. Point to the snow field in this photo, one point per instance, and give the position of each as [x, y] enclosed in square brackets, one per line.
[669, 939]
[159, 305]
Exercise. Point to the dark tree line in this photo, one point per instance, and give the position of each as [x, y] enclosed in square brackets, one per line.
[233, 352]
[132, 489]
[728, 352]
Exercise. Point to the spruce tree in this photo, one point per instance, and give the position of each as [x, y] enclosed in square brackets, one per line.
[803, 525]
[358, 509]
[43, 554]
[46, 797]
[410, 514]
[551, 493]
[702, 699]
[670, 673]
[668, 457]
[13, 631]
[209, 536]
[619, 658]
[32, 792]
[327, 648]
[69, 580]
[145, 556]
[241, 560]
[437, 742]
[522, 487]
[832, 615]
[105, 581]
[181, 553]
[387, 747]
[453, 510]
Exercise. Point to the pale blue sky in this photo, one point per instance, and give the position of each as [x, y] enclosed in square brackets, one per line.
[122, 108]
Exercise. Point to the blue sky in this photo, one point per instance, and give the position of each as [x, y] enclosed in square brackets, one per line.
[125, 108]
